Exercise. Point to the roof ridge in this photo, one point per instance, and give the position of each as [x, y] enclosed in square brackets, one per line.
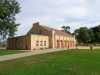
[49, 27]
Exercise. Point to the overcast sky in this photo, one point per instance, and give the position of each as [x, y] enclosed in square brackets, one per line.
[55, 13]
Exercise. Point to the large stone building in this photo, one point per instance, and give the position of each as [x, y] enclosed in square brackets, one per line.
[42, 37]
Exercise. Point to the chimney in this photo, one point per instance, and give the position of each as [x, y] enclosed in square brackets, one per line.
[36, 24]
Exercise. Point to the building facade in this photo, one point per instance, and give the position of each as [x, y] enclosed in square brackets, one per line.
[42, 37]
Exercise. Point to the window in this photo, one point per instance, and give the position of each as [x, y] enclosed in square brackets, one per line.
[58, 43]
[44, 43]
[37, 43]
[41, 43]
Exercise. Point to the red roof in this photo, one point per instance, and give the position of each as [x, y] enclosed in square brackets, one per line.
[59, 32]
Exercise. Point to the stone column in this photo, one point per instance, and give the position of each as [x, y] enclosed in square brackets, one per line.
[53, 39]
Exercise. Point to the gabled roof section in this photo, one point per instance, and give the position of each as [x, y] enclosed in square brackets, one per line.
[59, 32]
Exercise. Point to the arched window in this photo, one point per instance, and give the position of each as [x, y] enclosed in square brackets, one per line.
[58, 44]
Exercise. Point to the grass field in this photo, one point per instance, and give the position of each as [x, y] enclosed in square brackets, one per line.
[6, 52]
[71, 62]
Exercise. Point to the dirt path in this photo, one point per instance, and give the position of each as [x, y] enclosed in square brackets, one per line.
[25, 54]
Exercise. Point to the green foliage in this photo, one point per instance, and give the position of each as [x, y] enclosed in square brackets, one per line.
[96, 32]
[85, 35]
[8, 10]
[66, 28]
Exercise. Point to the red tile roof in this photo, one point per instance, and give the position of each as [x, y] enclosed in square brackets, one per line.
[59, 32]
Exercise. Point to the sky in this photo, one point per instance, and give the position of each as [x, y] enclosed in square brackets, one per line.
[56, 13]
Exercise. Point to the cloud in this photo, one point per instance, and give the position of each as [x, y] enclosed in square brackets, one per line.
[55, 13]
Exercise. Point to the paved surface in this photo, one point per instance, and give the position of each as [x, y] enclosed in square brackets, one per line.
[25, 54]
[88, 47]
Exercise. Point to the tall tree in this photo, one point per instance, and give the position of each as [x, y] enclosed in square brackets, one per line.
[66, 28]
[84, 35]
[8, 10]
[96, 32]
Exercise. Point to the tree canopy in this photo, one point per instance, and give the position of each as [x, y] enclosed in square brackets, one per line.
[83, 35]
[96, 32]
[88, 35]
[8, 10]
[66, 28]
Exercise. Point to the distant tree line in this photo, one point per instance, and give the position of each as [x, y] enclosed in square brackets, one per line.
[86, 35]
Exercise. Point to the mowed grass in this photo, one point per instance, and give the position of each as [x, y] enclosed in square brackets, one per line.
[71, 62]
[6, 52]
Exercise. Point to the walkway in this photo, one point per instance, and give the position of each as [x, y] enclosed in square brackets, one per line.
[25, 54]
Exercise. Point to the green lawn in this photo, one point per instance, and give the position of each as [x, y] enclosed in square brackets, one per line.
[6, 52]
[72, 62]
